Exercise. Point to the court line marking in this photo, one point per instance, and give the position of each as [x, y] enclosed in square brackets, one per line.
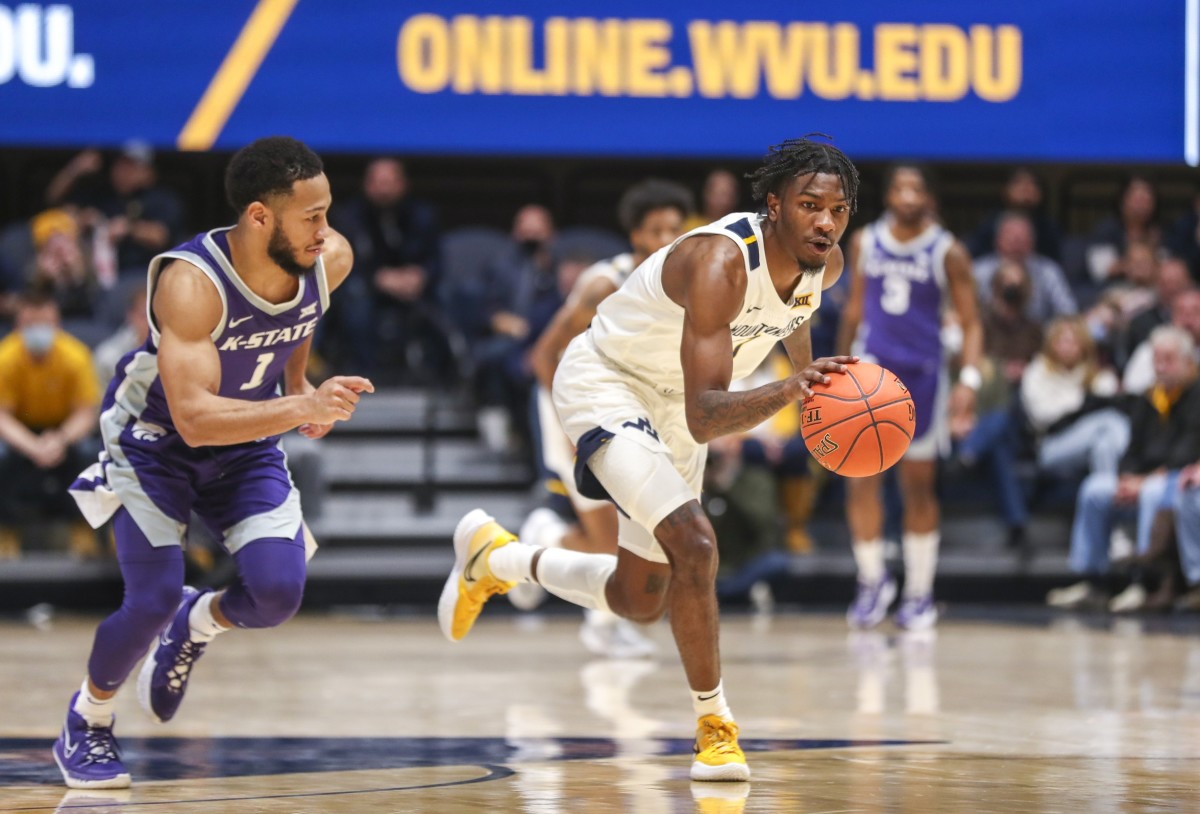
[495, 772]
[237, 70]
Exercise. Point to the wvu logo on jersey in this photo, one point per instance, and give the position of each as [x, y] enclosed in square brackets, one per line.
[825, 446]
[643, 424]
[266, 339]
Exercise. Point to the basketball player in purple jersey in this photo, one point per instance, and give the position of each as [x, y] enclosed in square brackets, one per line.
[191, 423]
[902, 267]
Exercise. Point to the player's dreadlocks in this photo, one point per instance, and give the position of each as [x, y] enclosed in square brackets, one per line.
[802, 156]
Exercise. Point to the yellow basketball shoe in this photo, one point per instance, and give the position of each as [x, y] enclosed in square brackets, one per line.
[471, 582]
[718, 756]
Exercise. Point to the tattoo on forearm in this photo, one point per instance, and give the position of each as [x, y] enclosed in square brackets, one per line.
[722, 413]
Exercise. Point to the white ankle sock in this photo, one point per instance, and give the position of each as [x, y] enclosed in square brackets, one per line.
[576, 577]
[95, 711]
[920, 562]
[513, 562]
[869, 556]
[711, 702]
[203, 627]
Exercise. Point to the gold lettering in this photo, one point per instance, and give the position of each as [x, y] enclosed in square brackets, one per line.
[833, 59]
[724, 66]
[996, 66]
[558, 55]
[945, 64]
[896, 61]
[782, 57]
[523, 78]
[423, 53]
[598, 57]
[478, 54]
[646, 55]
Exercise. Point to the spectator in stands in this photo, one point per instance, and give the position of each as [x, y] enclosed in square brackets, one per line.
[48, 406]
[1050, 294]
[1159, 443]
[1184, 238]
[1170, 281]
[523, 281]
[132, 334]
[720, 195]
[1135, 221]
[1010, 336]
[391, 301]
[1187, 531]
[60, 265]
[1022, 197]
[1138, 376]
[1067, 400]
[131, 215]
[1010, 341]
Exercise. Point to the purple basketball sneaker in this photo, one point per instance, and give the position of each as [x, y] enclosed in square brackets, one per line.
[166, 670]
[916, 613]
[871, 603]
[87, 755]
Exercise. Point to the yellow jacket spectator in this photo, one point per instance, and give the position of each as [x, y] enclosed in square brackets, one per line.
[48, 404]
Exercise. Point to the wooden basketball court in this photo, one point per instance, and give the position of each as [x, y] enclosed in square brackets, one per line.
[359, 714]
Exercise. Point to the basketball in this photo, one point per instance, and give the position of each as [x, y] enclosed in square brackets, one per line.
[860, 423]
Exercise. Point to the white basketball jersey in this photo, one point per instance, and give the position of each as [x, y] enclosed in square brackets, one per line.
[614, 269]
[641, 329]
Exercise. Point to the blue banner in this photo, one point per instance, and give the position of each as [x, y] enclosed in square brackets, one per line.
[939, 79]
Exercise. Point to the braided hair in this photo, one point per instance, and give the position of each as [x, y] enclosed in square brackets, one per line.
[803, 156]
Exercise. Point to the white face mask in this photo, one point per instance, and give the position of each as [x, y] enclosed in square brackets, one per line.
[38, 338]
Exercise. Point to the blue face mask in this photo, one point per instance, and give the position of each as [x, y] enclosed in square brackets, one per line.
[38, 338]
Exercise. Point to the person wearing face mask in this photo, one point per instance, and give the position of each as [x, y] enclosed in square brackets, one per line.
[518, 281]
[48, 404]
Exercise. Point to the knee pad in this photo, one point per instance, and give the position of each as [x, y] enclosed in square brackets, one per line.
[642, 482]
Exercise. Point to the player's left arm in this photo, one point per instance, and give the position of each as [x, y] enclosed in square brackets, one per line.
[338, 258]
[961, 284]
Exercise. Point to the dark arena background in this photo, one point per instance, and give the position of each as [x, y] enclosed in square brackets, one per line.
[477, 156]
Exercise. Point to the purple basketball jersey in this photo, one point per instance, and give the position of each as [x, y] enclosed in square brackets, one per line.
[254, 338]
[902, 306]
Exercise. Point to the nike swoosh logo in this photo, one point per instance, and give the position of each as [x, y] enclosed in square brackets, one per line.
[165, 640]
[69, 748]
[471, 563]
[707, 697]
[233, 323]
[754, 308]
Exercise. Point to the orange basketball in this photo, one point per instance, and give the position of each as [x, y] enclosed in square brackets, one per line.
[860, 423]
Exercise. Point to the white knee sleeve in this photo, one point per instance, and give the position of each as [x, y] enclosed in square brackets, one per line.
[576, 577]
[644, 483]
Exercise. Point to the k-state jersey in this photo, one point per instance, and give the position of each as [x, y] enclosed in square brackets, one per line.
[254, 338]
[902, 303]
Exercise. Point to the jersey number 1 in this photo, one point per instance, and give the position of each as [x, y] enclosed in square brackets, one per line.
[260, 371]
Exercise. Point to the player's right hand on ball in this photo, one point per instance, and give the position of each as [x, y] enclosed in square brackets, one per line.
[818, 372]
[337, 397]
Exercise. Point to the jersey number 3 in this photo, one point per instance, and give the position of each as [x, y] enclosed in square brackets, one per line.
[897, 293]
[260, 371]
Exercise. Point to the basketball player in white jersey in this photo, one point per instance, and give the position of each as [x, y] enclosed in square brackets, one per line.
[906, 270]
[643, 390]
[652, 213]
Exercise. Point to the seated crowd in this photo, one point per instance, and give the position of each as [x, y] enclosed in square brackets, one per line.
[1090, 383]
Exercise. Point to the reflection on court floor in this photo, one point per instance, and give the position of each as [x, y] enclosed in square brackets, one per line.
[997, 713]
